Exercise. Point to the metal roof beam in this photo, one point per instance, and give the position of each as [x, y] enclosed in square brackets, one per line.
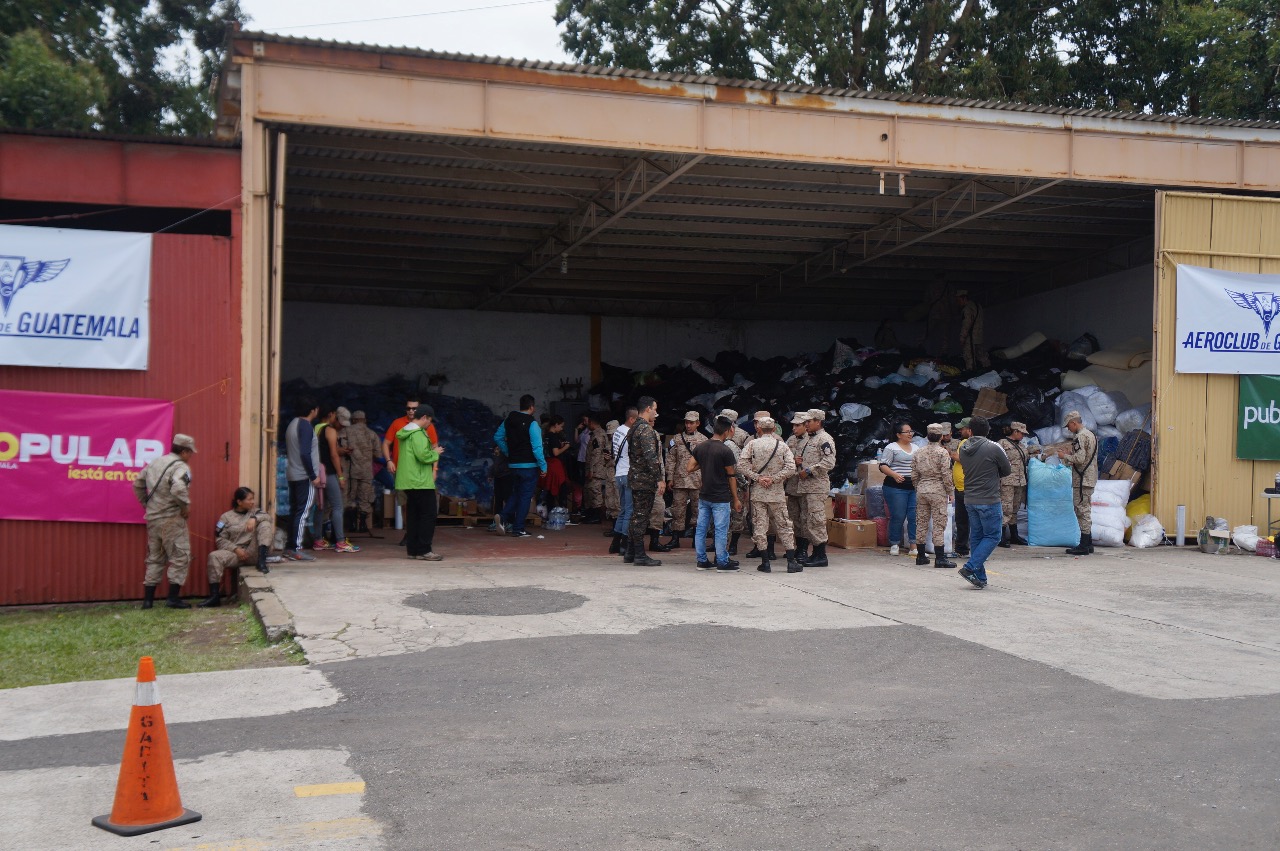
[641, 180]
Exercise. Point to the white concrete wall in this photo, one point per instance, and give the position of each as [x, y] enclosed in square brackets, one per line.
[1114, 308]
[496, 357]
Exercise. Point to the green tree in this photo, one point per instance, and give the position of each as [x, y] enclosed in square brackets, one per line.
[38, 90]
[157, 59]
[1182, 57]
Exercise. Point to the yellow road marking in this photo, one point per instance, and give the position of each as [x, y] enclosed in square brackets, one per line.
[353, 788]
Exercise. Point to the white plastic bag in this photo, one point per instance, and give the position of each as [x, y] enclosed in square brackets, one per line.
[853, 411]
[1246, 537]
[981, 382]
[1147, 532]
[1110, 501]
[1072, 400]
[948, 539]
[1134, 418]
[1049, 435]
[1107, 406]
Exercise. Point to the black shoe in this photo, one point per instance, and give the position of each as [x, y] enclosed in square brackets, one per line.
[793, 566]
[704, 565]
[616, 546]
[732, 565]
[263, 568]
[733, 543]
[148, 596]
[521, 534]
[764, 565]
[1004, 538]
[655, 545]
[970, 577]
[819, 557]
[174, 601]
[773, 556]
[1084, 548]
[754, 552]
[673, 544]
[922, 557]
[940, 560]
[213, 601]
[802, 549]
[641, 559]
[1015, 538]
[962, 551]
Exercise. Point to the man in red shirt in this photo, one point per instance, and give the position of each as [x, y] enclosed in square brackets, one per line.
[391, 446]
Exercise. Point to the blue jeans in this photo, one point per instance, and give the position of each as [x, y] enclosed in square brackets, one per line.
[901, 505]
[985, 522]
[624, 499]
[712, 514]
[516, 511]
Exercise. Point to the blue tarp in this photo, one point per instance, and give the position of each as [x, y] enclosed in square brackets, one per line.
[1051, 516]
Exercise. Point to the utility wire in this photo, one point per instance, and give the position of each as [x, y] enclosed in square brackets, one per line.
[415, 15]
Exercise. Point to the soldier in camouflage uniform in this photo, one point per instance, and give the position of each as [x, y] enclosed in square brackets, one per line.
[737, 519]
[1013, 487]
[795, 503]
[365, 445]
[768, 464]
[645, 479]
[1083, 460]
[814, 464]
[163, 488]
[971, 334]
[599, 472]
[658, 516]
[931, 474]
[683, 484]
[243, 538]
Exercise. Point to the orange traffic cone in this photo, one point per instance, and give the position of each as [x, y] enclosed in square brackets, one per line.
[147, 790]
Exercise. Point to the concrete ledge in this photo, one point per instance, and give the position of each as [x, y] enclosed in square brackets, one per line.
[276, 621]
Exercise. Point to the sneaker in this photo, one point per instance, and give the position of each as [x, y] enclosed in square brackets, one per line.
[497, 524]
[431, 557]
[299, 555]
[274, 559]
[346, 547]
[493, 527]
[322, 544]
[893, 550]
[732, 565]
[520, 534]
[705, 565]
[913, 552]
[971, 578]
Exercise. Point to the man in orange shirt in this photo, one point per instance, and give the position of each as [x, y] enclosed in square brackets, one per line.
[391, 446]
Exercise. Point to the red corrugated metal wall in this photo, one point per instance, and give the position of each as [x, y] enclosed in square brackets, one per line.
[195, 362]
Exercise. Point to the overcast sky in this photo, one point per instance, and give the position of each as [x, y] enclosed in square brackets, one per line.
[521, 29]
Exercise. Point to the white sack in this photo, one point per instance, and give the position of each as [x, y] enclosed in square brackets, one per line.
[986, 380]
[1246, 537]
[1147, 532]
[853, 411]
[1134, 418]
[1110, 501]
[1107, 406]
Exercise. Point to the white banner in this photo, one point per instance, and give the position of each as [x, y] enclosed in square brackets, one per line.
[74, 298]
[1227, 322]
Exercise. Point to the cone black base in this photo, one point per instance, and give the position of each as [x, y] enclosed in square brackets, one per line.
[104, 822]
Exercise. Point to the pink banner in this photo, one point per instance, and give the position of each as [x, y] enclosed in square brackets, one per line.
[72, 457]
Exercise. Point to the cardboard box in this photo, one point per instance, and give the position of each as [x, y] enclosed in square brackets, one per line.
[1120, 470]
[990, 403]
[869, 474]
[389, 508]
[851, 534]
[849, 507]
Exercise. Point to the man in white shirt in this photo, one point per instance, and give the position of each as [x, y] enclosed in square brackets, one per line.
[621, 469]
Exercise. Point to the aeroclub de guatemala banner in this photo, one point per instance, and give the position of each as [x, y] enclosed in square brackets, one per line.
[1227, 322]
[72, 457]
[74, 298]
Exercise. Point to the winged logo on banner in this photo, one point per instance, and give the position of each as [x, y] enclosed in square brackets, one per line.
[1266, 305]
[17, 272]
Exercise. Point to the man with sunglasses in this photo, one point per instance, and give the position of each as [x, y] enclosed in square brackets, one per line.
[391, 446]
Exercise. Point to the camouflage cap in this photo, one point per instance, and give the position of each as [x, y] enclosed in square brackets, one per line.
[760, 415]
[344, 417]
[800, 417]
[1069, 416]
[357, 415]
[692, 417]
[730, 414]
[817, 414]
[611, 426]
[184, 441]
[1022, 427]
[937, 428]
[766, 423]
[964, 423]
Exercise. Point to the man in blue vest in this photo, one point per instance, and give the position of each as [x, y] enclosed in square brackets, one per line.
[520, 439]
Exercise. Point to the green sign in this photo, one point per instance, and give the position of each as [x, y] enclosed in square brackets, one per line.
[1258, 418]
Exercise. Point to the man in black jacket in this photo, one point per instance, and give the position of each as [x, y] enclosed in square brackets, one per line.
[984, 464]
[645, 479]
[520, 439]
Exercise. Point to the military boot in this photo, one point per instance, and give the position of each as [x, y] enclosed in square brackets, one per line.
[1084, 548]
[616, 546]
[1004, 538]
[773, 555]
[214, 600]
[764, 563]
[793, 566]
[733, 543]
[148, 596]
[629, 547]
[802, 549]
[174, 601]
[656, 545]
[263, 567]
[819, 557]
[640, 558]
[922, 558]
[940, 560]
[1014, 537]
[674, 543]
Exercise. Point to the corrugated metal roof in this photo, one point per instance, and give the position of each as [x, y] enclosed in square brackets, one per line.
[759, 85]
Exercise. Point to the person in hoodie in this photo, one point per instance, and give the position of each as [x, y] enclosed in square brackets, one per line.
[415, 475]
[985, 464]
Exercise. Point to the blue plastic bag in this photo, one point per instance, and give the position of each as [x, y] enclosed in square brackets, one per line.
[1051, 515]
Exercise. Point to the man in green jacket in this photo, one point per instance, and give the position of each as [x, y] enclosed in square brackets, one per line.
[415, 475]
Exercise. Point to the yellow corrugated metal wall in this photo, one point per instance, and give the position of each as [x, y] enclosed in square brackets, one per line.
[1194, 421]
